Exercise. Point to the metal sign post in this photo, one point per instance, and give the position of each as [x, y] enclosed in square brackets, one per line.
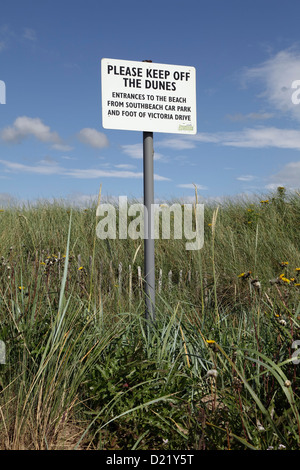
[149, 256]
[148, 97]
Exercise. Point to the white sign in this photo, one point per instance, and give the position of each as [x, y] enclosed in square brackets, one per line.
[144, 96]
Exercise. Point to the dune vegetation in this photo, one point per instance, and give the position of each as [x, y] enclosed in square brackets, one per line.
[84, 369]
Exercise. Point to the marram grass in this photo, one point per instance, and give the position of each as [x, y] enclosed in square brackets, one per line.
[217, 370]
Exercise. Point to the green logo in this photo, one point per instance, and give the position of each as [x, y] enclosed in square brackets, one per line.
[185, 127]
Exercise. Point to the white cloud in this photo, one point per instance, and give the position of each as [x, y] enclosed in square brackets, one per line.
[192, 186]
[176, 143]
[6, 34]
[277, 75]
[288, 176]
[47, 160]
[67, 157]
[264, 137]
[29, 34]
[252, 116]
[96, 173]
[42, 168]
[246, 178]
[62, 147]
[93, 138]
[25, 126]
[136, 151]
[133, 150]
[260, 137]
[208, 137]
[50, 167]
[125, 166]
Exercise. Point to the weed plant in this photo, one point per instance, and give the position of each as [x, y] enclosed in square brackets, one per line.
[217, 369]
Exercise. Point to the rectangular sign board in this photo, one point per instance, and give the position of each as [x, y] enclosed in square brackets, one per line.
[148, 97]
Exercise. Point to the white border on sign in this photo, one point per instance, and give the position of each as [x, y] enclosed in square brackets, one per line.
[150, 97]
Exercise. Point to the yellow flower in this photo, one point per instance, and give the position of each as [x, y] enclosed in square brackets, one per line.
[42, 262]
[1, 210]
[265, 202]
[284, 279]
[21, 287]
[284, 263]
[81, 267]
[245, 275]
[210, 341]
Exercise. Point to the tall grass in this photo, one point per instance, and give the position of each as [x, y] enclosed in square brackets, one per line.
[85, 370]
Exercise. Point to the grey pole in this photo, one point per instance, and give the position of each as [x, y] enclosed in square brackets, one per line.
[149, 256]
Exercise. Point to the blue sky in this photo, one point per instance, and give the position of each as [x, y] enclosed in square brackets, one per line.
[53, 145]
